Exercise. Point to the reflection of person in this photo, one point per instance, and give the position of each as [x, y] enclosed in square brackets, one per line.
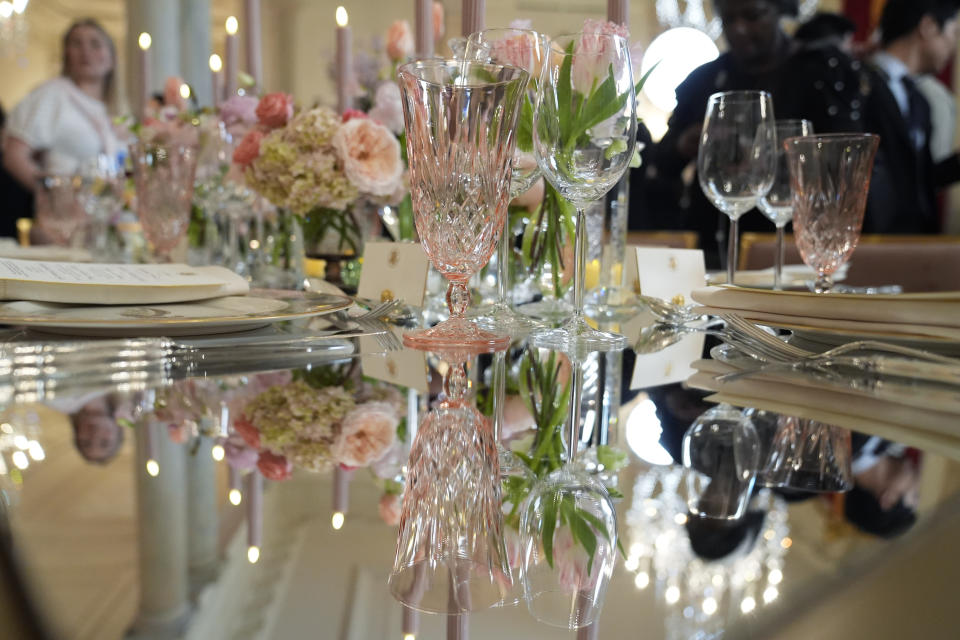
[884, 500]
[66, 120]
[917, 37]
[96, 433]
[819, 83]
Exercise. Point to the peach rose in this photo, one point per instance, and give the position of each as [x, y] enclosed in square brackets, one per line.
[275, 109]
[371, 156]
[531, 198]
[438, 21]
[389, 509]
[247, 431]
[350, 114]
[274, 467]
[249, 148]
[366, 434]
[399, 41]
[171, 93]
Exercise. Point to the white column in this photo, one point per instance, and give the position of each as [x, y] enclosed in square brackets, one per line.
[195, 48]
[203, 561]
[161, 19]
[164, 607]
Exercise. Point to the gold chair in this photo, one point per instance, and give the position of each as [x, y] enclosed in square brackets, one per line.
[671, 239]
[915, 262]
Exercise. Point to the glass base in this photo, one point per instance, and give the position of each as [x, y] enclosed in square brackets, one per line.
[456, 335]
[576, 337]
[500, 318]
[548, 309]
[611, 304]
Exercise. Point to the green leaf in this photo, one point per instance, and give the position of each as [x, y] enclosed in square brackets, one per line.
[525, 126]
[612, 459]
[616, 147]
[620, 548]
[565, 92]
[549, 526]
[614, 493]
[597, 524]
[405, 218]
[581, 531]
[402, 430]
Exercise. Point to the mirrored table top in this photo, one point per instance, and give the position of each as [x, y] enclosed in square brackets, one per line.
[247, 486]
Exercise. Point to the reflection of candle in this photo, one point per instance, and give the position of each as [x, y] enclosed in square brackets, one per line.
[344, 76]
[232, 54]
[411, 622]
[618, 11]
[591, 277]
[251, 16]
[423, 10]
[341, 495]
[216, 65]
[254, 491]
[474, 12]
[144, 42]
[235, 495]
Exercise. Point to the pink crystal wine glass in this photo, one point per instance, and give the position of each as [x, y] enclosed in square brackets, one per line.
[164, 180]
[830, 177]
[460, 118]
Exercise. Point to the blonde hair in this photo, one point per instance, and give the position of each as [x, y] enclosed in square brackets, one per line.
[109, 82]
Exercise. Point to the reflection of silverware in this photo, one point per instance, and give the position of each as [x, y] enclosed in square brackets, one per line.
[669, 313]
[658, 337]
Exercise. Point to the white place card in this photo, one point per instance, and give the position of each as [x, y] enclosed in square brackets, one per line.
[666, 366]
[665, 273]
[407, 367]
[394, 270]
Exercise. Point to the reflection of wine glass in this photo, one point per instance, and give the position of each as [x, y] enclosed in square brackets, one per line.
[450, 555]
[736, 162]
[584, 133]
[60, 214]
[460, 118]
[164, 179]
[721, 454]
[568, 529]
[830, 176]
[526, 50]
[101, 194]
[777, 204]
[806, 455]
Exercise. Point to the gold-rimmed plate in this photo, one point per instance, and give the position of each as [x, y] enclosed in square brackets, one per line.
[199, 317]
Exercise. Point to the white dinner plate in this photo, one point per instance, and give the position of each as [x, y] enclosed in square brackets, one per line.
[200, 317]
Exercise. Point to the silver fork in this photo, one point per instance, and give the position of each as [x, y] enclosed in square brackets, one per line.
[372, 321]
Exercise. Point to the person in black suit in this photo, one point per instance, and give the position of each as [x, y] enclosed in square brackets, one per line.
[917, 37]
[817, 82]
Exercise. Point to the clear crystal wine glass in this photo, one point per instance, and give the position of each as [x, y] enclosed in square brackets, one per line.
[568, 533]
[460, 118]
[584, 132]
[164, 178]
[777, 204]
[721, 455]
[450, 554]
[830, 177]
[60, 214]
[526, 50]
[737, 158]
[806, 455]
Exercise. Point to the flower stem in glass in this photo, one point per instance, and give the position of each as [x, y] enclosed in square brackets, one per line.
[732, 246]
[778, 261]
[580, 262]
[573, 412]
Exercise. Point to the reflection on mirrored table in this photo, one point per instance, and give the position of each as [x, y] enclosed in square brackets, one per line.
[229, 487]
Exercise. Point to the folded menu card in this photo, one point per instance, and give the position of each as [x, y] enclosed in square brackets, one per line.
[74, 283]
[921, 315]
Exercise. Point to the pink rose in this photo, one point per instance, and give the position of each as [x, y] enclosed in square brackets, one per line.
[366, 434]
[238, 454]
[438, 21]
[571, 563]
[181, 432]
[249, 148]
[388, 107]
[371, 156]
[239, 110]
[274, 467]
[245, 429]
[389, 509]
[171, 93]
[350, 114]
[275, 109]
[516, 418]
[594, 52]
[519, 50]
[399, 41]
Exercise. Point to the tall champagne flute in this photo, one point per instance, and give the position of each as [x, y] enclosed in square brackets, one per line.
[527, 50]
[777, 204]
[585, 129]
[830, 177]
[737, 159]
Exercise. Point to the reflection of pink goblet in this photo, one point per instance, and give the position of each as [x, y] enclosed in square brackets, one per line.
[460, 120]
[164, 179]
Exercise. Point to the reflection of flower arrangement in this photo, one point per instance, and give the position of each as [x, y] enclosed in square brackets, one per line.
[309, 424]
[319, 166]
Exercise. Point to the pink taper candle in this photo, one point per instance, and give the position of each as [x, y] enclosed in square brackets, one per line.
[233, 52]
[474, 16]
[144, 41]
[251, 16]
[423, 10]
[216, 66]
[253, 488]
[618, 11]
[344, 62]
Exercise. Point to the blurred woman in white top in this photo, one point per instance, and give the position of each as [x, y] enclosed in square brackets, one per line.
[66, 121]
